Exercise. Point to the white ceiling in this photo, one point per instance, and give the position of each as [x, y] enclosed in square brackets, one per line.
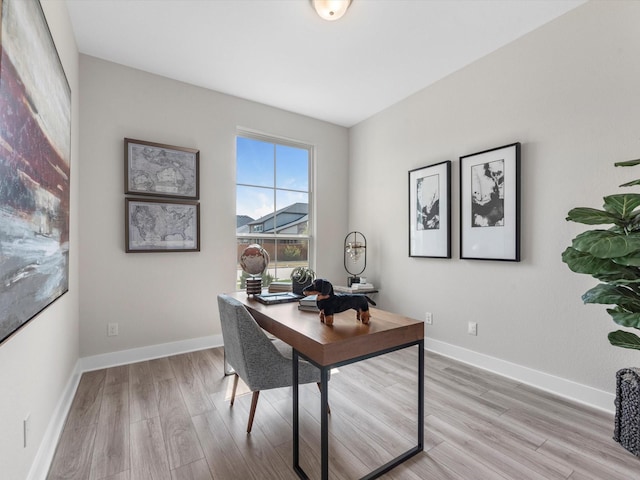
[280, 53]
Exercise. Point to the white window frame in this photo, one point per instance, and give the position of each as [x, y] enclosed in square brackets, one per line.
[310, 208]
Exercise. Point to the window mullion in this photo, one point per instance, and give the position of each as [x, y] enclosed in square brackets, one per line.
[275, 208]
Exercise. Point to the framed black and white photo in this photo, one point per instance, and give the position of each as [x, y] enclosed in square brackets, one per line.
[161, 170]
[490, 204]
[430, 211]
[162, 226]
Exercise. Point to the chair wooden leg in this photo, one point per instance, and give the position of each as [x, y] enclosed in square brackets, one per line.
[254, 404]
[328, 407]
[233, 391]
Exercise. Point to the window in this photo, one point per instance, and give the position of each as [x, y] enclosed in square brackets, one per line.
[272, 203]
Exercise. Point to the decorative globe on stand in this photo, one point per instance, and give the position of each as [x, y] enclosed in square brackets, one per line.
[254, 260]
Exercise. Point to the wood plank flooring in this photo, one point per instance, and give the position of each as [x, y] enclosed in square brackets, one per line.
[170, 419]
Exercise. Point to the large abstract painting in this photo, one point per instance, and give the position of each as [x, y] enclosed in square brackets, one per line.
[35, 144]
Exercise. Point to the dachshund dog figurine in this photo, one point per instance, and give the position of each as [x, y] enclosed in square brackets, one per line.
[330, 303]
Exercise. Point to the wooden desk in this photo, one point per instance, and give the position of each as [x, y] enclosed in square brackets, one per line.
[346, 341]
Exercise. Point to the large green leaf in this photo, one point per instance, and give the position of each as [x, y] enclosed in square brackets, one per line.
[606, 243]
[584, 262]
[592, 216]
[606, 294]
[632, 260]
[625, 318]
[632, 183]
[604, 269]
[622, 204]
[627, 277]
[623, 339]
[628, 163]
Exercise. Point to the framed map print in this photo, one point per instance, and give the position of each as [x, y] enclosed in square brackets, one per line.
[160, 170]
[162, 226]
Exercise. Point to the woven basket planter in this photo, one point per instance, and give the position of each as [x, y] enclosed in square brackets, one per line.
[627, 426]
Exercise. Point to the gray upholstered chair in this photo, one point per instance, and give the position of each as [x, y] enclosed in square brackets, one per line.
[262, 363]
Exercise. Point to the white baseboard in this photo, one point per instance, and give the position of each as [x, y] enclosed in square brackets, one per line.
[568, 389]
[150, 352]
[44, 457]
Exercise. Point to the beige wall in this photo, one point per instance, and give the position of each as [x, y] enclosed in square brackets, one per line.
[569, 93]
[38, 361]
[166, 297]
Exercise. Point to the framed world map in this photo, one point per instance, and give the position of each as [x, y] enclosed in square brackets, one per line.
[161, 170]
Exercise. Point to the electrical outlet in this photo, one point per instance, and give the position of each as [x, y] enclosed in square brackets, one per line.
[472, 329]
[112, 329]
[428, 318]
[26, 427]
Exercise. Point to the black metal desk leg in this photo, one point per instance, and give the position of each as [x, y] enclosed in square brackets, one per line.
[296, 425]
[324, 422]
[421, 395]
[324, 416]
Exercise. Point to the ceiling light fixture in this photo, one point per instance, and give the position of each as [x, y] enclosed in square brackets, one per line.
[331, 9]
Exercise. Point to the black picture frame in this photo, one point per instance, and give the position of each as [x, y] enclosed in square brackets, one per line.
[35, 167]
[161, 170]
[161, 225]
[490, 204]
[430, 211]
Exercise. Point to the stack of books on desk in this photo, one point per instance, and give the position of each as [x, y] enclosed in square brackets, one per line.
[355, 288]
[276, 287]
[362, 286]
[308, 304]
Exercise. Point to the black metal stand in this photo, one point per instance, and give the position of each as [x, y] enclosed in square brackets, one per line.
[324, 413]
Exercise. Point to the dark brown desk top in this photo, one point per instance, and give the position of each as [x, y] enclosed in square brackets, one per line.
[346, 339]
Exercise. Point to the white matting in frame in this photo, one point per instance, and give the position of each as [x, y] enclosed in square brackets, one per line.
[430, 211]
[490, 204]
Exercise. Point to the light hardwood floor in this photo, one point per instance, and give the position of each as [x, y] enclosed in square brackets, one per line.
[170, 419]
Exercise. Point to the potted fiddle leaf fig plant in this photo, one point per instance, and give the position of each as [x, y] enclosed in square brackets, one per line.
[301, 277]
[612, 256]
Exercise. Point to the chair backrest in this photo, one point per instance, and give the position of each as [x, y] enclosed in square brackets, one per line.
[247, 348]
